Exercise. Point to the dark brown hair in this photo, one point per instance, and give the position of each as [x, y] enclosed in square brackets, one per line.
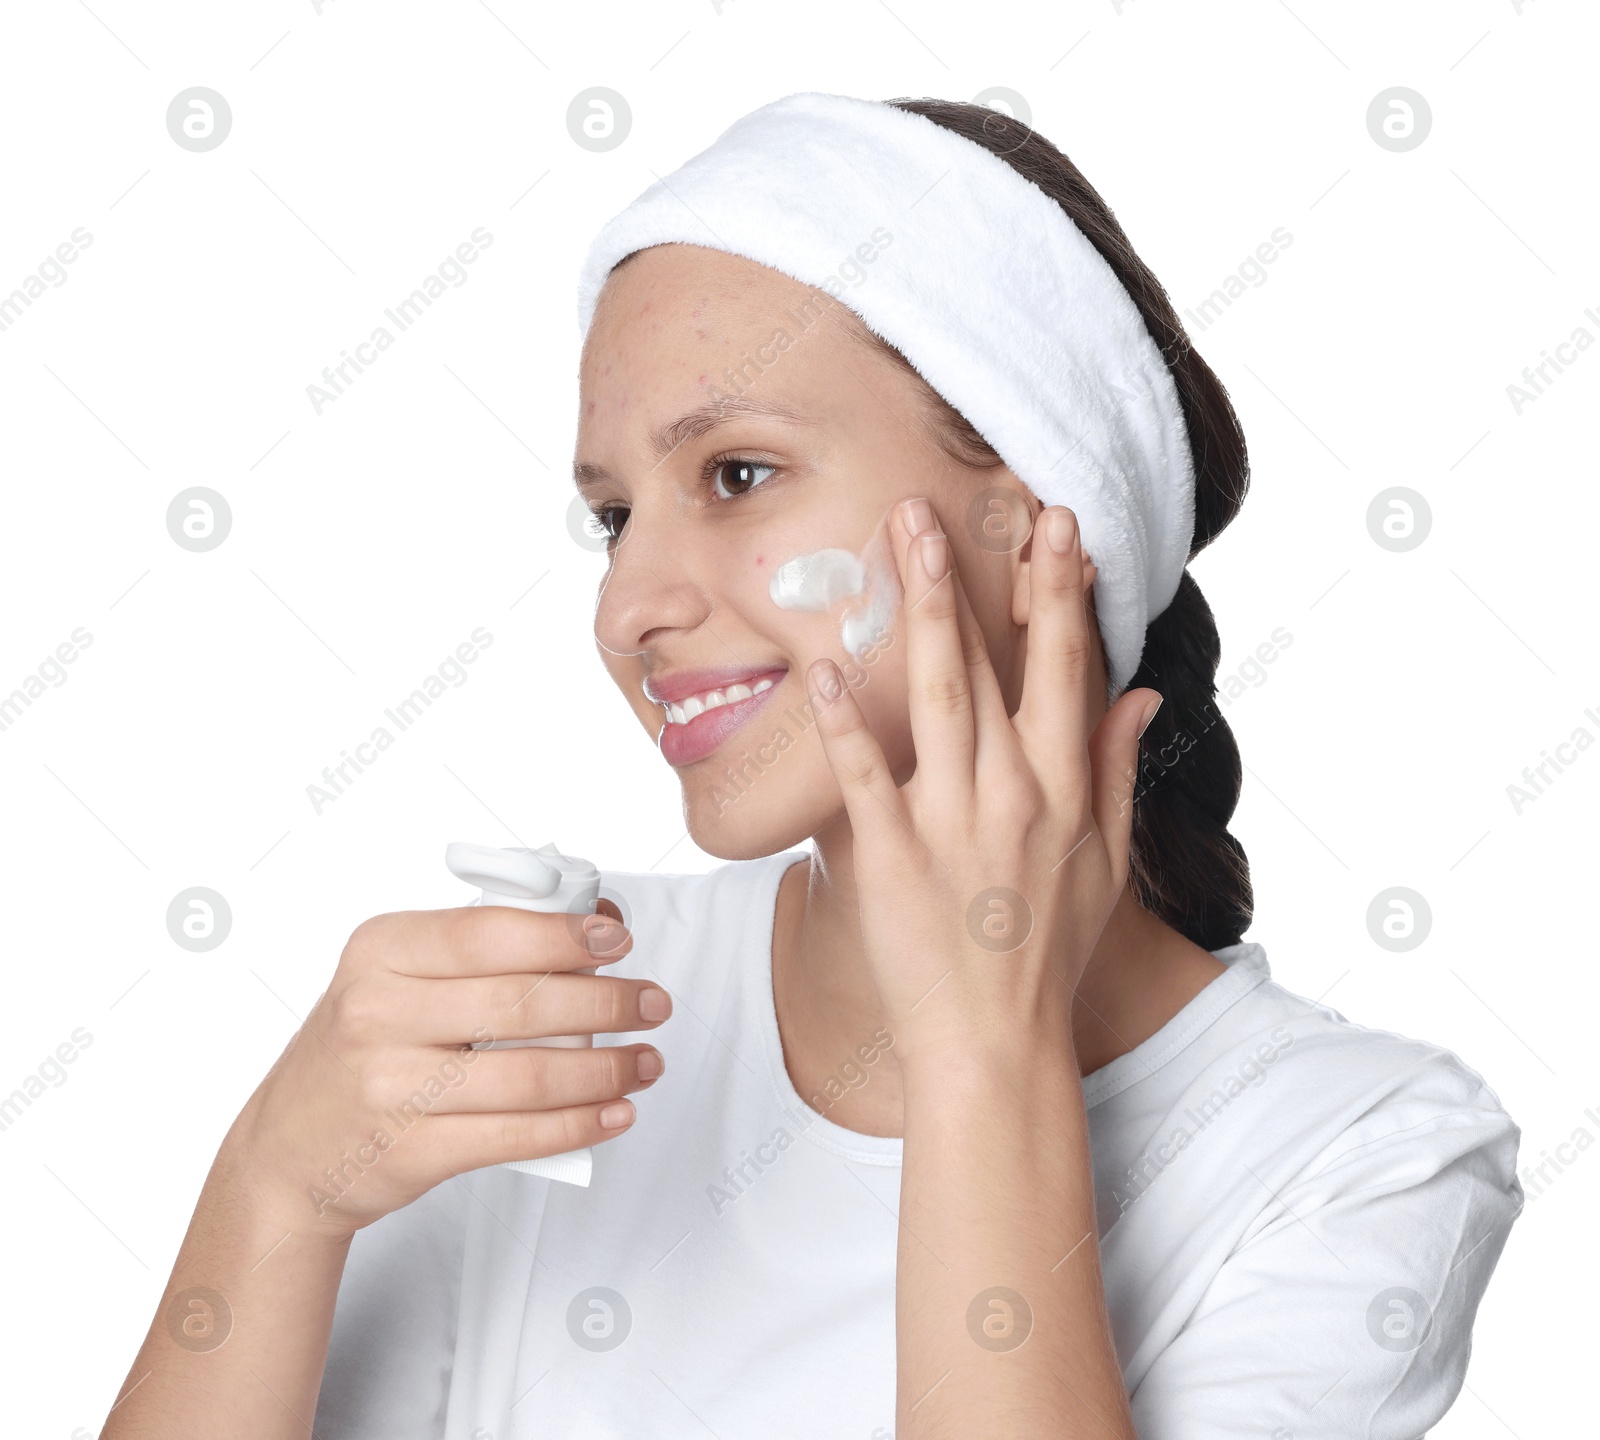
[1183, 864]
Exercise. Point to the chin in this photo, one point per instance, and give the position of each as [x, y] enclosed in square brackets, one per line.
[767, 815]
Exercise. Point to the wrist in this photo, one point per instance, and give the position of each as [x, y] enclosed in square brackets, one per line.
[245, 1182]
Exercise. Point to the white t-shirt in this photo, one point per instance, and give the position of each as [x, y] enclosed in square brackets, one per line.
[1298, 1217]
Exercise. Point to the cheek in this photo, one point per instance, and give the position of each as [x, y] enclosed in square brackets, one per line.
[878, 682]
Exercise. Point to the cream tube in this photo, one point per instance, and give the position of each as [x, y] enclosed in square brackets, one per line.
[551, 883]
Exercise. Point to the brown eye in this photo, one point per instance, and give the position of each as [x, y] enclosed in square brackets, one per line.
[608, 522]
[742, 473]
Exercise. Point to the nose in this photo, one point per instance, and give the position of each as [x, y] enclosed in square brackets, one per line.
[651, 586]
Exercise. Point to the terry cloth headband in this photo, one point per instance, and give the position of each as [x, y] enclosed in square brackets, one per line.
[985, 285]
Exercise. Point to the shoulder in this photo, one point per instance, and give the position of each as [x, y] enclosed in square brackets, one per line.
[1298, 1091]
[1369, 1174]
[1373, 1086]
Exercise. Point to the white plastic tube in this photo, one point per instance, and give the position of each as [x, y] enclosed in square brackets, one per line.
[551, 883]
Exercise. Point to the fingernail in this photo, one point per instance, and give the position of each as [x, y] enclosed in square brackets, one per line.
[918, 516]
[1149, 715]
[650, 1064]
[602, 936]
[1059, 530]
[654, 1004]
[826, 680]
[614, 1117]
[935, 556]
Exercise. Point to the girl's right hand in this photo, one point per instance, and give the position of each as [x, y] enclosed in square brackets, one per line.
[379, 1097]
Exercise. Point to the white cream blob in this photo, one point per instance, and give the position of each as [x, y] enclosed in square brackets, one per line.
[820, 579]
[815, 580]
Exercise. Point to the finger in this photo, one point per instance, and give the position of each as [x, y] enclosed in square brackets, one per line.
[877, 809]
[467, 1142]
[983, 684]
[943, 730]
[1114, 762]
[485, 940]
[506, 1007]
[1052, 717]
[988, 700]
[956, 703]
[538, 1077]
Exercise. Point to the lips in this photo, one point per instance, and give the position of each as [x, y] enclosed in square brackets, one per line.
[695, 740]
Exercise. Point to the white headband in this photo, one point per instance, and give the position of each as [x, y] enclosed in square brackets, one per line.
[985, 285]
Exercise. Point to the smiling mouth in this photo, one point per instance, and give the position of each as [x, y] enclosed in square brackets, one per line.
[681, 713]
[697, 723]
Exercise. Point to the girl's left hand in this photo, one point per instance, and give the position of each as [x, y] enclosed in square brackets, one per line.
[985, 881]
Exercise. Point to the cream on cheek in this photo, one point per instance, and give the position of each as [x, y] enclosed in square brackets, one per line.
[867, 583]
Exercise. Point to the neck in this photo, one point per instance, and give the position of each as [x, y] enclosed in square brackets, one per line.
[1141, 973]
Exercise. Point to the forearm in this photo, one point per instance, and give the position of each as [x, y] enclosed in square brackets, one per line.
[251, 1372]
[997, 1202]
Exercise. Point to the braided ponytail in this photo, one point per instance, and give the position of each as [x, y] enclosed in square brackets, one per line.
[1184, 866]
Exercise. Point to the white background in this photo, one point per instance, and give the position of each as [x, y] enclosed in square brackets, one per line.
[367, 542]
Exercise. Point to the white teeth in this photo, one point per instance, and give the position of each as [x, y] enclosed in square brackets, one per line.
[682, 712]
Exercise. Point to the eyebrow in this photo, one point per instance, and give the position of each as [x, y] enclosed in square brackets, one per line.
[691, 426]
